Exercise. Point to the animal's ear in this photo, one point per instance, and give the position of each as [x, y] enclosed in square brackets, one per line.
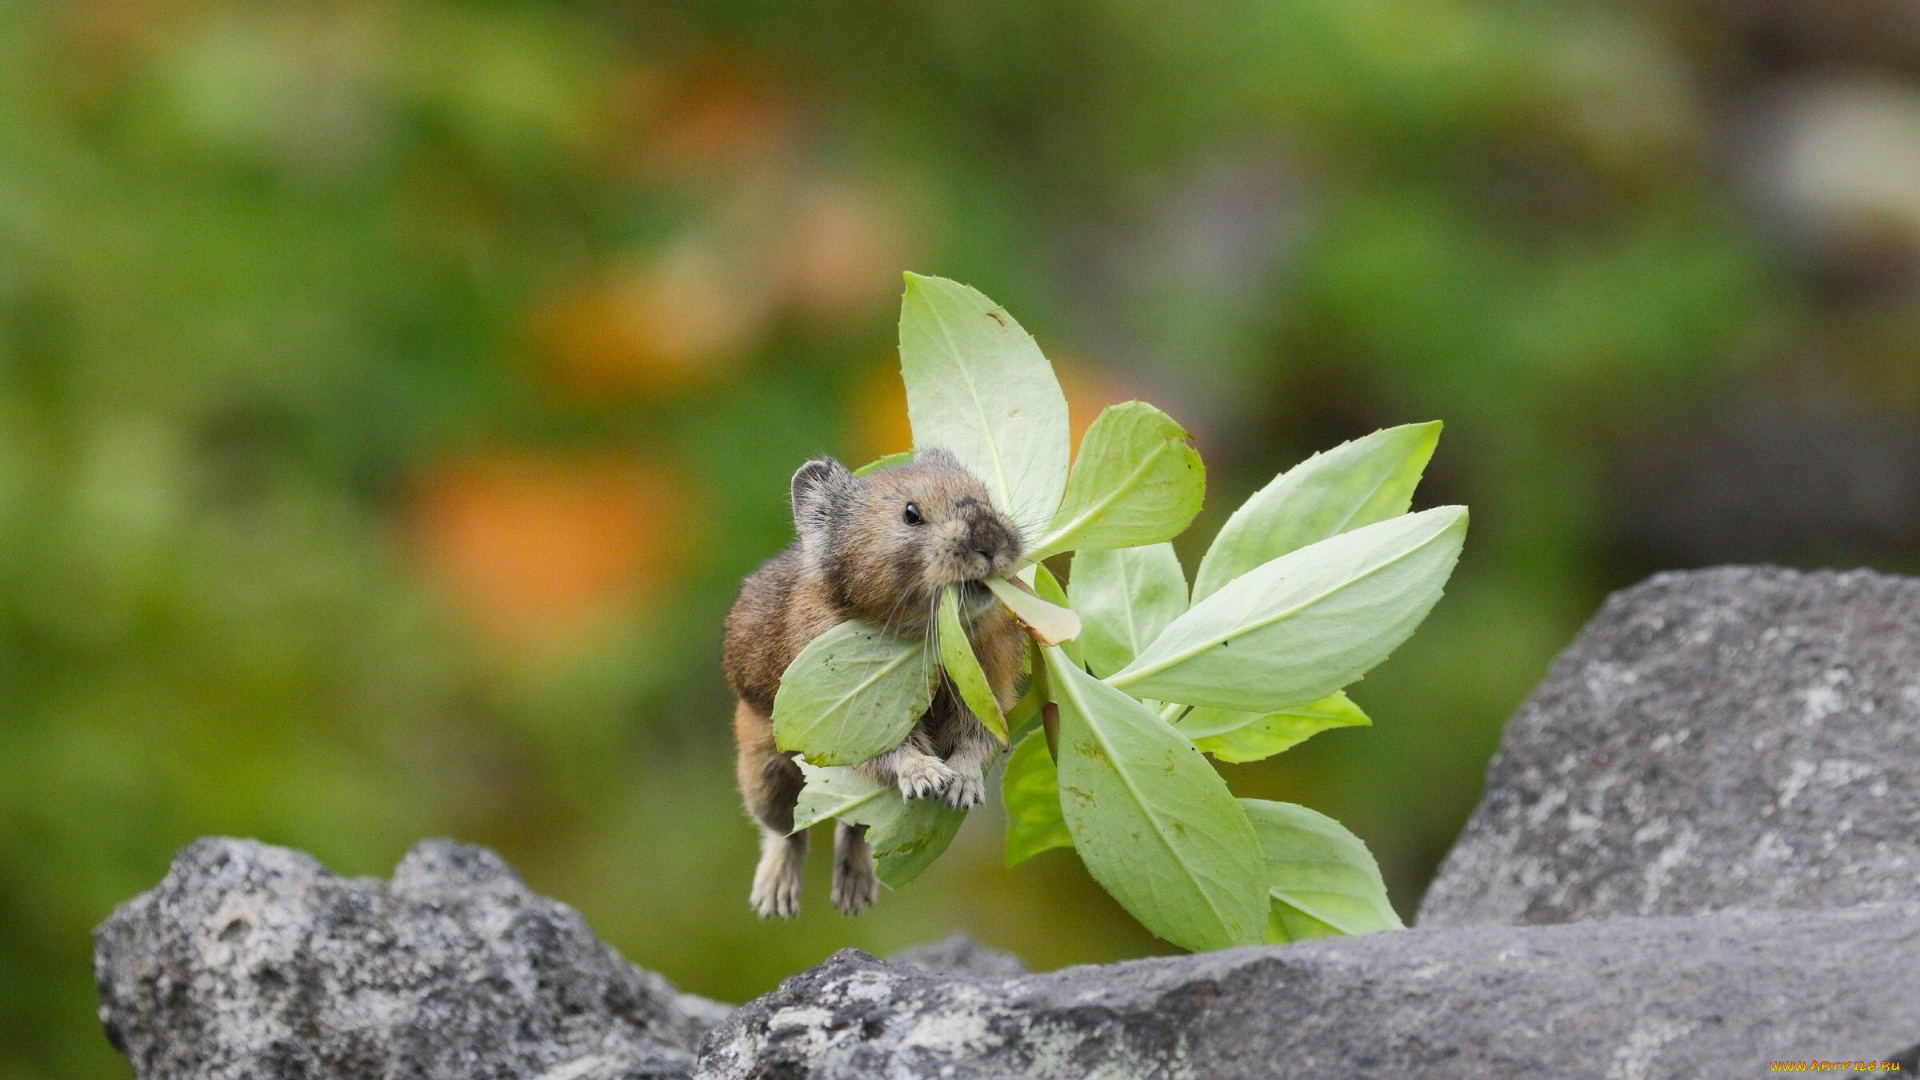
[816, 487]
[938, 458]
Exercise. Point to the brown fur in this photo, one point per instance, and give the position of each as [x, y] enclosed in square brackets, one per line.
[857, 558]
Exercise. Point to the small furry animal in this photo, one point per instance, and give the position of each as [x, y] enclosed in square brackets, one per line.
[878, 548]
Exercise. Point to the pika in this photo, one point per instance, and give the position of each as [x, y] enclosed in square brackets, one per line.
[878, 548]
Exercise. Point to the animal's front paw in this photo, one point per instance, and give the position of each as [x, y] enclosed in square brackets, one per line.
[923, 776]
[968, 790]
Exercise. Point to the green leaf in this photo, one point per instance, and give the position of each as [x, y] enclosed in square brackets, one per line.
[963, 667]
[906, 834]
[903, 457]
[1137, 481]
[830, 791]
[978, 386]
[1321, 877]
[1287, 924]
[852, 693]
[1049, 623]
[1030, 788]
[1125, 597]
[1047, 587]
[1239, 737]
[1352, 485]
[1307, 623]
[1027, 709]
[1154, 823]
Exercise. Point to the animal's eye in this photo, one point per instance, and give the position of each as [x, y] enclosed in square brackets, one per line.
[912, 516]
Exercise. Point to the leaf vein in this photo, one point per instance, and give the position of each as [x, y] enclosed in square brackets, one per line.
[973, 395]
[1094, 509]
[1126, 679]
[1152, 819]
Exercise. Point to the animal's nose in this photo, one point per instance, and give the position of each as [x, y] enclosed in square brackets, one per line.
[986, 540]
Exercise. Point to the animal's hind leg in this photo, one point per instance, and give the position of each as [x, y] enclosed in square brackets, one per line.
[770, 784]
[854, 886]
[776, 881]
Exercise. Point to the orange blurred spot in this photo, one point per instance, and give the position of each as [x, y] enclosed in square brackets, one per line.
[681, 320]
[880, 408]
[535, 549]
[880, 414]
[721, 113]
[122, 27]
[839, 256]
[1089, 390]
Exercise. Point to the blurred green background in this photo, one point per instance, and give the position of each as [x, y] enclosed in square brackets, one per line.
[392, 394]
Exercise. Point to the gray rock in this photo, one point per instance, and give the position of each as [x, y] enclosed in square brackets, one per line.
[1626, 999]
[250, 961]
[1715, 790]
[1732, 739]
[958, 954]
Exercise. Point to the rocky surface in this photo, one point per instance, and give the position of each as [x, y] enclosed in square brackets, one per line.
[1712, 802]
[1732, 739]
[1624, 999]
[250, 961]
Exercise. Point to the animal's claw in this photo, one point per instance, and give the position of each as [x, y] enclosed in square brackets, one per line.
[968, 790]
[924, 776]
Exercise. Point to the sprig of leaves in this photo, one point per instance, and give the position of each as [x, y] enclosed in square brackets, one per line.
[1312, 582]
